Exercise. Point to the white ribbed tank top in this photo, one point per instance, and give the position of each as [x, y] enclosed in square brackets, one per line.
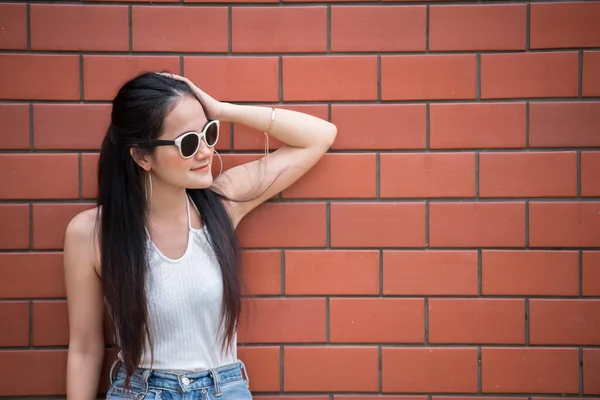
[185, 303]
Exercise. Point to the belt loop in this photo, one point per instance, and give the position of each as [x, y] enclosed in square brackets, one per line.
[110, 374]
[217, 380]
[145, 376]
[244, 373]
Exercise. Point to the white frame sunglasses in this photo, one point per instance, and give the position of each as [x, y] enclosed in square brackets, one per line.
[200, 136]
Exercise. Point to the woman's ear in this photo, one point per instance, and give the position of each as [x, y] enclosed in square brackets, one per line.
[140, 157]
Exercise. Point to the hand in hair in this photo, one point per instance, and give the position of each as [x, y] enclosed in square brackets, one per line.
[211, 106]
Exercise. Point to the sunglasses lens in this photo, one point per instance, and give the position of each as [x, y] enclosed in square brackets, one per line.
[189, 145]
[212, 134]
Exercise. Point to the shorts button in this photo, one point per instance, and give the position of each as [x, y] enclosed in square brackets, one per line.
[185, 380]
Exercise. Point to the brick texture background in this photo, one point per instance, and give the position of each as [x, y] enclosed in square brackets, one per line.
[447, 247]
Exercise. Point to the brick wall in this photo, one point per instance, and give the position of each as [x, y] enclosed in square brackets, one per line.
[448, 245]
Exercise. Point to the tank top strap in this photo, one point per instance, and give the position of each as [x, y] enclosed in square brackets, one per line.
[187, 204]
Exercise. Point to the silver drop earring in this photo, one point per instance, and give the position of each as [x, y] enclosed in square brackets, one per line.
[220, 162]
[148, 200]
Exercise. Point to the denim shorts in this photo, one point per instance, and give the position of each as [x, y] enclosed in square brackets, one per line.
[227, 382]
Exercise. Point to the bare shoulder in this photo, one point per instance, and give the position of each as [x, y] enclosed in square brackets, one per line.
[81, 238]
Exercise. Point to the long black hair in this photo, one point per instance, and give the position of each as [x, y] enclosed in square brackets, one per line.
[137, 116]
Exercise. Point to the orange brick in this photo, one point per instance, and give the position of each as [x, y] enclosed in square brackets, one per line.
[282, 320]
[469, 321]
[591, 366]
[375, 28]
[378, 225]
[50, 223]
[564, 124]
[103, 75]
[331, 272]
[79, 27]
[565, 322]
[530, 370]
[481, 224]
[198, 29]
[329, 78]
[428, 77]
[262, 271]
[235, 78]
[564, 224]
[533, 174]
[367, 126]
[530, 272]
[337, 176]
[27, 275]
[13, 23]
[429, 272]
[591, 273]
[89, 175]
[430, 370]
[48, 366]
[520, 75]
[50, 323]
[590, 173]
[477, 125]
[377, 320]
[477, 27]
[591, 80]
[560, 25]
[263, 367]
[309, 369]
[427, 175]
[269, 226]
[14, 132]
[70, 126]
[279, 30]
[15, 323]
[39, 77]
[14, 229]
[39, 176]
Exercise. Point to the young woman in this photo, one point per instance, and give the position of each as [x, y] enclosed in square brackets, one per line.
[160, 250]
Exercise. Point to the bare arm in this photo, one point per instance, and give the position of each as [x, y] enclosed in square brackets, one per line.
[85, 303]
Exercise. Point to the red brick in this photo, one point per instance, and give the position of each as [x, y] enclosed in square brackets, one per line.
[430, 370]
[591, 273]
[564, 224]
[590, 78]
[27, 275]
[477, 224]
[50, 323]
[15, 323]
[377, 320]
[331, 272]
[564, 322]
[198, 29]
[48, 370]
[375, 28]
[530, 370]
[263, 367]
[89, 175]
[427, 175]
[528, 174]
[479, 397]
[559, 25]
[378, 397]
[470, 321]
[477, 27]
[262, 272]
[520, 75]
[235, 78]
[283, 320]
[135, 1]
[329, 78]
[322, 397]
[40, 76]
[530, 273]
[103, 75]
[337, 176]
[39, 176]
[429, 272]
[50, 223]
[477, 125]
[14, 229]
[13, 24]
[377, 224]
[279, 30]
[269, 226]
[367, 126]
[70, 126]
[79, 27]
[591, 366]
[564, 124]
[309, 369]
[229, 1]
[590, 173]
[428, 77]
[14, 132]
[247, 138]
